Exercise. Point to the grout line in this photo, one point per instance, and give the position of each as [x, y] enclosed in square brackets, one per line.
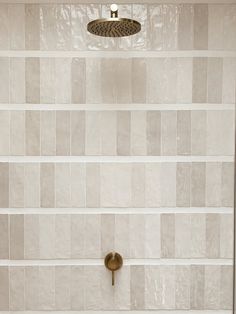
[122, 311]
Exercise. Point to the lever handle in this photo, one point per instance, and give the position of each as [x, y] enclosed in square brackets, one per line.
[113, 261]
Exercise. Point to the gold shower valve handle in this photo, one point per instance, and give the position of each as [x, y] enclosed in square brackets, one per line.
[113, 261]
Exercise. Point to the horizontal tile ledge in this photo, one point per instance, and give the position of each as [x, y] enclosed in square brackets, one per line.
[120, 1]
[123, 107]
[122, 312]
[118, 53]
[114, 159]
[100, 261]
[117, 211]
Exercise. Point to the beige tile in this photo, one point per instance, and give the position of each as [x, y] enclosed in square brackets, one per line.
[153, 133]
[16, 15]
[48, 34]
[31, 236]
[78, 185]
[139, 78]
[17, 133]
[197, 287]
[79, 18]
[108, 127]
[93, 281]
[32, 133]
[123, 132]
[4, 184]
[107, 234]
[184, 132]
[226, 236]
[107, 294]
[62, 185]
[198, 235]
[184, 80]
[48, 133]
[77, 287]
[155, 35]
[32, 185]
[167, 280]
[63, 80]
[17, 81]
[226, 287]
[4, 80]
[214, 80]
[4, 288]
[216, 26]
[227, 184]
[47, 185]
[137, 287]
[198, 184]
[77, 133]
[46, 287]
[78, 79]
[63, 21]
[183, 184]
[185, 26]
[63, 236]
[93, 133]
[16, 185]
[212, 287]
[62, 288]
[108, 80]
[153, 184]
[47, 80]
[93, 182]
[200, 26]
[93, 236]
[152, 236]
[198, 132]
[138, 133]
[77, 236]
[137, 235]
[4, 27]
[62, 133]
[16, 236]
[16, 289]
[213, 235]
[4, 133]
[229, 42]
[170, 26]
[138, 185]
[32, 80]
[168, 184]
[122, 235]
[182, 287]
[152, 287]
[167, 235]
[4, 237]
[168, 133]
[93, 81]
[182, 236]
[47, 237]
[199, 80]
[32, 27]
[213, 184]
[122, 292]
[228, 89]
[32, 288]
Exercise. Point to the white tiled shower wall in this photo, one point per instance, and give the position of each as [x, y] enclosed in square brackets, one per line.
[117, 144]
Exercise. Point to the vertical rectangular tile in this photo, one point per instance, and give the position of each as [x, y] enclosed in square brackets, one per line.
[198, 235]
[226, 236]
[107, 233]
[138, 133]
[168, 133]
[167, 235]
[47, 185]
[32, 80]
[47, 236]
[153, 133]
[168, 184]
[138, 184]
[122, 235]
[62, 288]
[32, 27]
[226, 287]
[185, 26]
[4, 288]
[139, 78]
[16, 236]
[136, 236]
[77, 287]
[17, 297]
[4, 27]
[216, 26]
[93, 281]
[62, 133]
[62, 185]
[182, 287]
[212, 287]
[152, 287]
[213, 184]
[78, 185]
[62, 236]
[93, 236]
[122, 292]
[93, 133]
[4, 184]
[123, 133]
[93, 185]
[155, 36]
[152, 236]
[213, 235]
[32, 185]
[31, 236]
[137, 287]
[63, 80]
[46, 287]
[153, 184]
[48, 34]
[48, 133]
[77, 133]
[214, 80]
[32, 288]
[167, 280]
[93, 83]
[229, 42]
[32, 133]
[198, 184]
[170, 26]
[183, 184]
[79, 17]
[47, 80]
[228, 89]
[77, 236]
[108, 120]
[17, 133]
[184, 80]
[63, 22]
[123, 80]
[17, 26]
[183, 132]
[16, 185]
[199, 80]
[198, 132]
[17, 81]
[182, 236]
[197, 287]
[200, 26]
[4, 237]
[4, 133]
[227, 187]
[78, 79]
[4, 80]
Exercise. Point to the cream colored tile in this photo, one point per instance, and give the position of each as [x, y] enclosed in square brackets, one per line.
[122, 235]
[197, 287]
[17, 81]
[78, 79]
[16, 289]
[153, 133]
[16, 15]
[138, 184]
[167, 280]
[16, 236]
[32, 80]
[212, 287]
[31, 236]
[228, 89]
[46, 287]
[123, 80]
[216, 13]
[227, 188]
[93, 299]
[107, 234]
[4, 237]
[167, 235]
[62, 288]
[185, 26]
[123, 132]
[62, 133]
[79, 18]
[4, 288]
[48, 133]
[198, 235]
[201, 26]
[77, 133]
[168, 184]
[122, 291]
[93, 81]
[32, 133]
[4, 27]
[47, 185]
[32, 27]
[213, 235]
[214, 80]
[213, 184]
[137, 235]
[17, 133]
[168, 133]
[139, 77]
[183, 184]
[182, 287]
[138, 133]
[108, 129]
[77, 287]
[229, 42]
[93, 185]
[226, 236]
[107, 294]
[93, 236]
[78, 185]
[198, 132]
[4, 80]
[137, 287]
[184, 80]
[93, 133]
[16, 185]
[182, 236]
[152, 236]
[47, 80]
[198, 184]
[47, 236]
[63, 80]
[4, 132]
[152, 287]
[32, 185]
[183, 132]
[48, 36]
[62, 185]
[63, 236]
[155, 36]
[199, 80]
[153, 185]
[32, 288]
[4, 185]
[226, 287]
[77, 236]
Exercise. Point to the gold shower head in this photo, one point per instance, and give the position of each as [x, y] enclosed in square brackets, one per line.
[114, 26]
